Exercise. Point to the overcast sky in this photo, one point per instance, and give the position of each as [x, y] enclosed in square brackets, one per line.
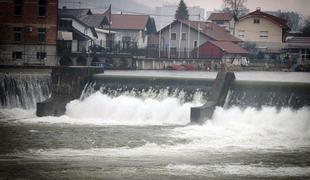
[301, 6]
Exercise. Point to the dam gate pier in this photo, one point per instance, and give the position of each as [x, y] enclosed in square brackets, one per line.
[67, 85]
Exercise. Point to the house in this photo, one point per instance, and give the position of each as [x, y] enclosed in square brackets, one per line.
[226, 51]
[221, 49]
[75, 37]
[28, 32]
[181, 37]
[99, 22]
[298, 50]
[131, 30]
[264, 30]
[226, 20]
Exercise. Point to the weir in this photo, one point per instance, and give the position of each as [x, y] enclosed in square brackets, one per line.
[224, 90]
[67, 84]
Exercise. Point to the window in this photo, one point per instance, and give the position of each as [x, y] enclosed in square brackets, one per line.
[173, 36]
[17, 34]
[256, 20]
[42, 8]
[65, 23]
[264, 34]
[17, 55]
[220, 22]
[42, 35]
[184, 36]
[41, 55]
[195, 44]
[18, 4]
[241, 33]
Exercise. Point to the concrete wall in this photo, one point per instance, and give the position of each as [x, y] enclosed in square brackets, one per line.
[67, 84]
[160, 64]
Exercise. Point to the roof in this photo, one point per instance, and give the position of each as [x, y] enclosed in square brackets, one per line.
[298, 43]
[77, 15]
[74, 12]
[129, 22]
[228, 47]
[214, 31]
[258, 13]
[95, 20]
[221, 16]
[298, 40]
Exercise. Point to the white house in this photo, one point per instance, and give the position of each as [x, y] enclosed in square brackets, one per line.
[131, 30]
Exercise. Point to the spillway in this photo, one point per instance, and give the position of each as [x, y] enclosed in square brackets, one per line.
[19, 90]
[135, 125]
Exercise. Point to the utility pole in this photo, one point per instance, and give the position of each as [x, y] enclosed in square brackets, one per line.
[110, 23]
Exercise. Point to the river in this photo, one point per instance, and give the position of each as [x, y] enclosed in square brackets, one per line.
[149, 137]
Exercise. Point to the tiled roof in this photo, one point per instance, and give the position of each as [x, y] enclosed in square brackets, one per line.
[95, 20]
[258, 13]
[129, 22]
[211, 30]
[229, 47]
[221, 16]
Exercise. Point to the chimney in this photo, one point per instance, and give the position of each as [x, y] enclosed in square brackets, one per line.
[258, 9]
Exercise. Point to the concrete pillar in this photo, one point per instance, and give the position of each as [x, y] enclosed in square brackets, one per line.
[67, 84]
[216, 97]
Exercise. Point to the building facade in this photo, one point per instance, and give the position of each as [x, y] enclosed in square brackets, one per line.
[28, 32]
[131, 30]
[265, 30]
[180, 38]
[81, 39]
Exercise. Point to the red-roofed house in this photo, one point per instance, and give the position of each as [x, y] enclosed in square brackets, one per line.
[220, 49]
[226, 20]
[266, 30]
[228, 52]
[132, 29]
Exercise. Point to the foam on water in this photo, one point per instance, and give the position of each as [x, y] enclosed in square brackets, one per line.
[252, 129]
[16, 114]
[100, 109]
[238, 169]
[232, 129]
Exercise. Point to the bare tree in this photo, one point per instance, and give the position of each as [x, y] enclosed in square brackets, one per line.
[237, 7]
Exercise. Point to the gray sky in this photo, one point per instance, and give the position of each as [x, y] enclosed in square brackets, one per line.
[301, 6]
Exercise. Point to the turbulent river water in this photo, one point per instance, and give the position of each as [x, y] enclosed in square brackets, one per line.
[124, 136]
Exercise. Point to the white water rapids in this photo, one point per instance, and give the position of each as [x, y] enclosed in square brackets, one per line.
[229, 129]
[217, 148]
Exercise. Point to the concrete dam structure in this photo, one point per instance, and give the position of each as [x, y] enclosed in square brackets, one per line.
[67, 85]
[222, 89]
